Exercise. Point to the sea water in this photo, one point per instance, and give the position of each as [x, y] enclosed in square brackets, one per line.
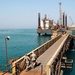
[21, 42]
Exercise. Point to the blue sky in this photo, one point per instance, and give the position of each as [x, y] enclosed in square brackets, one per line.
[24, 13]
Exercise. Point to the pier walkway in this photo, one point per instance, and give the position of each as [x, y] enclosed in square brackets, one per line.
[47, 58]
[50, 56]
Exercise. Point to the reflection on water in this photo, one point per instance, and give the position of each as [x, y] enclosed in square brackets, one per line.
[43, 39]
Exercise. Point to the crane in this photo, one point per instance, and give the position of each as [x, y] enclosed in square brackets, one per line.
[71, 20]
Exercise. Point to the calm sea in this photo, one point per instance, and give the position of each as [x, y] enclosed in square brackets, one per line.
[21, 42]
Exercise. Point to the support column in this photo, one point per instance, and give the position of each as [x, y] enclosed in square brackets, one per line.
[63, 19]
[39, 26]
[44, 22]
[48, 71]
[66, 21]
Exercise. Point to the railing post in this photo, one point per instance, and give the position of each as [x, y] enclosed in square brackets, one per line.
[14, 68]
[48, 70]
[41, 69]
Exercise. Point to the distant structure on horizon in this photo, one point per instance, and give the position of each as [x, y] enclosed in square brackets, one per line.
[46, 26]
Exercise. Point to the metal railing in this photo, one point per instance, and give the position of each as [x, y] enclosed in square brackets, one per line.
[38, 51]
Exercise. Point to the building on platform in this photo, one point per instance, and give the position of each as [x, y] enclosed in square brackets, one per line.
[44, 26]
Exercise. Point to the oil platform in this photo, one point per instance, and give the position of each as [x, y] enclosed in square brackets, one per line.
[48, 27]
[44, 26]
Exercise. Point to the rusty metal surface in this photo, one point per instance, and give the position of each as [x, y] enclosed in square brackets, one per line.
[1, 73]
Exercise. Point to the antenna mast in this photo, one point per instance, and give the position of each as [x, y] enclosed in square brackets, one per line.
[60, 19]
[71, 20]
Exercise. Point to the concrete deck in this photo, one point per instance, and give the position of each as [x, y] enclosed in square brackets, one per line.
[44, 58]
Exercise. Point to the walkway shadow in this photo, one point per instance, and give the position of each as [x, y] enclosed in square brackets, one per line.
[36, 65]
